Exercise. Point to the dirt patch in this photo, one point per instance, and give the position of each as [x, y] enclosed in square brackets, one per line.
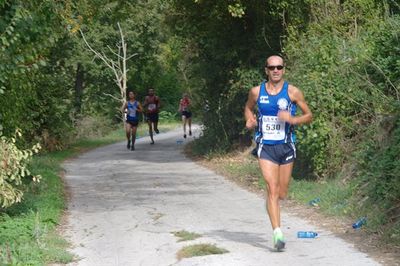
[370, 244]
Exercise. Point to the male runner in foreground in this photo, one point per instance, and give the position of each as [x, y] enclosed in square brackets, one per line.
[277, 101]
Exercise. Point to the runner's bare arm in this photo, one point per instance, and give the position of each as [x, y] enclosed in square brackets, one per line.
[249, 116]
[139, 108]
[297, 96]
[145, 103]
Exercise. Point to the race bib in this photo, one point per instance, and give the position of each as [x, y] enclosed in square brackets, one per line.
[152, 106]
[132, 112]
[273, 128]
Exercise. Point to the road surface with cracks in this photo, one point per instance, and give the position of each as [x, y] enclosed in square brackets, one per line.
[124, 206]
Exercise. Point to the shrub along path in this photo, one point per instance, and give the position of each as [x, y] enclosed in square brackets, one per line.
[125, 205]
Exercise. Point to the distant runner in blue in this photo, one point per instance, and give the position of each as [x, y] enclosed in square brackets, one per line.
[277, 102]
[132, 108]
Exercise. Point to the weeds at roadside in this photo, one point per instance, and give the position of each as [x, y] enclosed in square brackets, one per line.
[184, 235]
[199, 250]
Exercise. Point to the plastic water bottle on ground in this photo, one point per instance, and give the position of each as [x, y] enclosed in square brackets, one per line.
[360, 222]
[307, 234]
[179, 141]
[314, 202]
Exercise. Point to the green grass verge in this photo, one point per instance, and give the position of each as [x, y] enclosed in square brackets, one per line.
[199, 250]
[185, 235]
[28, 229]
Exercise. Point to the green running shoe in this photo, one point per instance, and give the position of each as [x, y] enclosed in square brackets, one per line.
[279, 241]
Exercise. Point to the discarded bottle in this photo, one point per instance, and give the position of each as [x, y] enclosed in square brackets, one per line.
[360, 222]
[314, 202]
[179, 141]
[307, 234]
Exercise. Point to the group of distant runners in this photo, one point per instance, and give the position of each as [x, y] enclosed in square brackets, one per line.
[151, 109]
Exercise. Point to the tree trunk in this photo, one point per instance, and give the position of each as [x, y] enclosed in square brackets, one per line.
[79, 88]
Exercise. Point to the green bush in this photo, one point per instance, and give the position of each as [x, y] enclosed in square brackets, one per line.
[167, 116]
[348, 71]
[377, 192]
[224, 121]
[13, 168]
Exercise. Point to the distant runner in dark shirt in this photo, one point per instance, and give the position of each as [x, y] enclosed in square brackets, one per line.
[152, 107]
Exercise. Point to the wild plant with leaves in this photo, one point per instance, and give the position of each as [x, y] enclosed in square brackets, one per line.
[14, 169]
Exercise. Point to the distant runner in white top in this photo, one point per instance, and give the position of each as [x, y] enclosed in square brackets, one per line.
[185, 110]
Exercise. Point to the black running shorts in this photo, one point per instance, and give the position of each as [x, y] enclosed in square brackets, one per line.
[187, 114]
[133, 123]
[152, 117]
[278, 153]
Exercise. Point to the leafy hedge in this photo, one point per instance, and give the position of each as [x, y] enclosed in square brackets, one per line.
[13, 169]
[377, 186]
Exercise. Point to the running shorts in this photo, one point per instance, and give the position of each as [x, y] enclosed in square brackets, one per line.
[279, 153]
[152, 117]
[187, 114]
[133, 123]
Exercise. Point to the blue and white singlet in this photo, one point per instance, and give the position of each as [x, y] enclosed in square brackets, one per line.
[270, 130]
[132, 108]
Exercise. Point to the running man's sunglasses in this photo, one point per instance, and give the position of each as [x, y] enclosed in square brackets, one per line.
[280, 67]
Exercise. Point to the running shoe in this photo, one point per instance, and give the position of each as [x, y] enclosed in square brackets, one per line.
[157, 131]
[128, 146]
[132, 147]
[190, 132]
[184, 136]
[279, 241]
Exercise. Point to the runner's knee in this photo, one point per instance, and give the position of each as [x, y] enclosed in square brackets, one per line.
[273, 191]
[283, 194]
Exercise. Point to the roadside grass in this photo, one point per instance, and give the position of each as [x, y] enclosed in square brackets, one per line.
[333, 194]
[184, 235]
[199, 250]
[28, 230]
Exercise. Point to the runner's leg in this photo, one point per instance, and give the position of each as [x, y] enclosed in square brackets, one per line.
[134, 129]
[184, 125]
[285, 174]
[156, 127]
[128, 134]
[270, 172]
[150, 131]
[190, 125]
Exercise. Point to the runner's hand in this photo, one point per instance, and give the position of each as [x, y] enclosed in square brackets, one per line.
[251, 123]
[285, 116]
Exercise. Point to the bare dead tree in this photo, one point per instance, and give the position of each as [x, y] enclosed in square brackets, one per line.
[117, 65]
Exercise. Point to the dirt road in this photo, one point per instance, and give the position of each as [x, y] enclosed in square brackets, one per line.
[125, 204]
